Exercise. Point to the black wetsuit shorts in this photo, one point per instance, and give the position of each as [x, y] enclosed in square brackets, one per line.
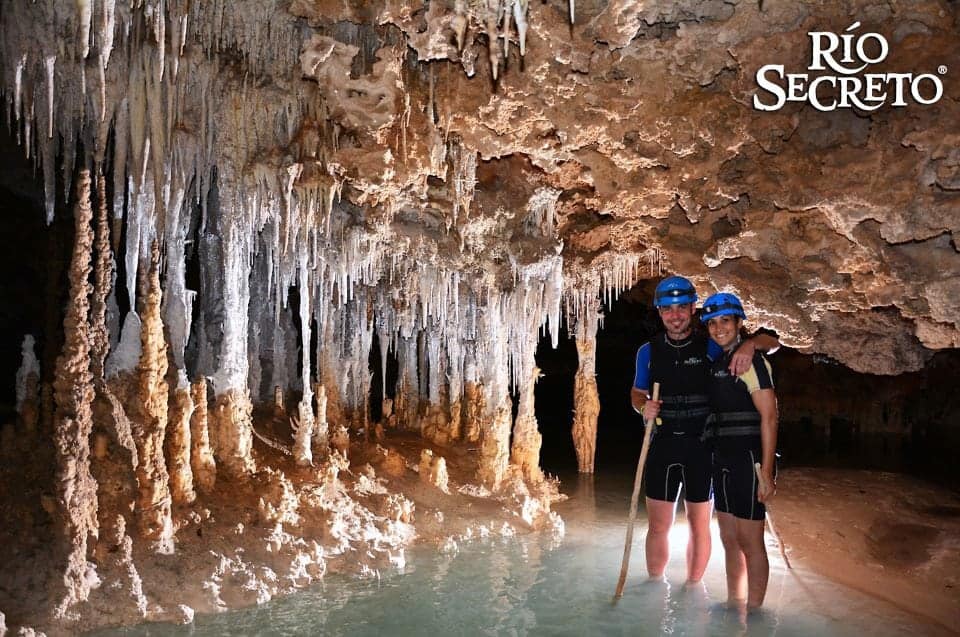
[676, 460]
[735, 483]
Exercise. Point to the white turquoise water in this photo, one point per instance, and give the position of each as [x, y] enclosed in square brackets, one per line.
[534, 585]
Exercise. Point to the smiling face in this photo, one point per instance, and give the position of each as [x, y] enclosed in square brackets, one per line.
[677, 319]
[724, 329]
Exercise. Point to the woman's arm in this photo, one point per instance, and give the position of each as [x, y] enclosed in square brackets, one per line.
[765, 400]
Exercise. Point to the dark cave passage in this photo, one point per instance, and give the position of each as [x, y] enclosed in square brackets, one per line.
[830, 416]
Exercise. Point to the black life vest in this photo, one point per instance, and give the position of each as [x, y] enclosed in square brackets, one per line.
[733, 417]
[683, 373]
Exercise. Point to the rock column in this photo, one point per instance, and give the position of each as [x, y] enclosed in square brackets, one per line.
[586, 400]
[149, 418]
[73, 418]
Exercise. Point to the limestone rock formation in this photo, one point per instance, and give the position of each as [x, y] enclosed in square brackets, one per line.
[73, 422]
[586, 398]
[283, 183]
[149, 413]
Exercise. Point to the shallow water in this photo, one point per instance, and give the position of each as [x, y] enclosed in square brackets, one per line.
[543, 586]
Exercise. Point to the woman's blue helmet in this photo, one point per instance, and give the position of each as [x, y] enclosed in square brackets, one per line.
[720, 304]
[674, 290]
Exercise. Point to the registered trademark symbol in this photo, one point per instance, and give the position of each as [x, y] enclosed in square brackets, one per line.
[942, 69]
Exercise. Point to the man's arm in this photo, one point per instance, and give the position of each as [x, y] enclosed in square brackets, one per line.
[648, 408]
[743, 356]
[641, 378]
[638, 397]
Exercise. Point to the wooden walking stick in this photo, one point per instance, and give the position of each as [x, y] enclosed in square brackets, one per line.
[647, 435]
[773, 529]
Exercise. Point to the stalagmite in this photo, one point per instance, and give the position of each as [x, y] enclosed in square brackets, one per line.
[149, 418]
[179, 443]
[525, 450]
[495, 421]
[302, 174]
[28, 386]
[321, 431]
[73, 420]
[586, 400]
[203, 466]
[433, 470]
[407, 392]
[473, 400]
[103, 282]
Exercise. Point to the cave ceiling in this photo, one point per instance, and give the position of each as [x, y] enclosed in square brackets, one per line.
[498, 142]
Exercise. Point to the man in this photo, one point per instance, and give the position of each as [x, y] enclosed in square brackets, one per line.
[680, 360]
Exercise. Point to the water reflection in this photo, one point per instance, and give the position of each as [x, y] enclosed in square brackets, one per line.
[529, 585]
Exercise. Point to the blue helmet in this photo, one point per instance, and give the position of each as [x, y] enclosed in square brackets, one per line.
[720, 304]
[674, 290]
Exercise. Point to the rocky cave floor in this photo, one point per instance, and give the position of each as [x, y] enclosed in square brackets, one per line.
[251, 540]
[884, 534]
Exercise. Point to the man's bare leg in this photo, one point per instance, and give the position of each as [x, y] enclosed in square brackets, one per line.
[699, 544]
[750, 538]
[660, 515]
[733, 556]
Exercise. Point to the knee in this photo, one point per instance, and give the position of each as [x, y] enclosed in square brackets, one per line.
[659, 526]
[751, 544]
[728, 537]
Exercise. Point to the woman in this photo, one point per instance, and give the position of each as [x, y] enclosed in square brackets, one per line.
[743, 429]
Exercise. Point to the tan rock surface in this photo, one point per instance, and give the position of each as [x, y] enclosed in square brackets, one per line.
[890, 536]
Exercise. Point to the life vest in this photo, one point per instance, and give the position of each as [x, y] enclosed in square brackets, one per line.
[683, 374]
[733, 414]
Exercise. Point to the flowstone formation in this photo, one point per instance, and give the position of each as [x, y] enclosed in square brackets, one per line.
[281, 184]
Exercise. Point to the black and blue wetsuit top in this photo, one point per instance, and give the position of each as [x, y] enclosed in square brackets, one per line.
[683, 370]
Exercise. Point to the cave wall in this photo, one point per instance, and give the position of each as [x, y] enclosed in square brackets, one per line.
[832, 416]
[285, 179]
[497, 143]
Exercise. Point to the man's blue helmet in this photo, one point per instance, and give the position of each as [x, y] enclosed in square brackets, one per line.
[674, 290]
[720, 304]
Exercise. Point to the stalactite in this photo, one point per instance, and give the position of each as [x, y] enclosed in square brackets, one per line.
[177, 299]
[202, 463]
[280, 372]
[149, 416]
[303, 431]
[233, 442]
[73, 419]
[435, 422]
[586, 400]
